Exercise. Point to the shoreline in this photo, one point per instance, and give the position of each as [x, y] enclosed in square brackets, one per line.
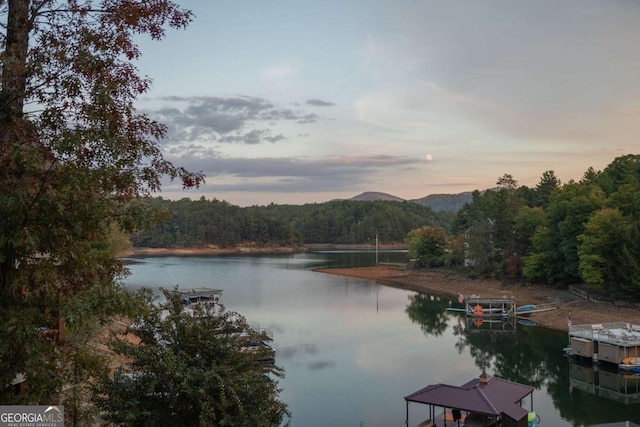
[438, 282]
[252, 249]
[210, 251]
[579, 310]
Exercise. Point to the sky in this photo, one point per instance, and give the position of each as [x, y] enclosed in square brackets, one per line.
[294, 102]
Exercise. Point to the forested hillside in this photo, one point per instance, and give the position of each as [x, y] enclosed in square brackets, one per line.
[212, 222]
[347, 221]
[578, 232]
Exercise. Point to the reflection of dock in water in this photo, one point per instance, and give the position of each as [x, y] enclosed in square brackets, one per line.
[491, 325]
[618, 424]
[623, 387]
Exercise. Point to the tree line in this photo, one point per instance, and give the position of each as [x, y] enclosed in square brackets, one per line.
[213, 222]
[585, 231]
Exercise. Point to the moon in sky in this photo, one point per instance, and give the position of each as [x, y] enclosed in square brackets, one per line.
[428, 157]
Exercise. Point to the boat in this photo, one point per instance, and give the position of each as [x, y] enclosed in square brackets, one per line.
[536, 308]
[630, 364]
[526, 308]
[478, 310]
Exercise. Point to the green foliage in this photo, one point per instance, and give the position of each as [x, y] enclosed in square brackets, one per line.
[490, 227]
[348, 221]
[557, 233]
[191, 370]
[608, 255]
[203, 222]
[554, 257]
[68, 169]
[526, 223]
[454, 255]
[427, 246]
[623, 170]
[548, 183]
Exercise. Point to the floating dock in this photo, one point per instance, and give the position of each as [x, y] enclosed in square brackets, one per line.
[605, 342]
[196, 295]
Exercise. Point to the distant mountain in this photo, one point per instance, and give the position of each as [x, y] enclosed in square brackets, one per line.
[437, 202]
[372, 196]
[445, 202]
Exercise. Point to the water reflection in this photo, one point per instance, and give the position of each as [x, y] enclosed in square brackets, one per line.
[429, 312]
[347, 259]
[533, 355]
[623, 387]
[359, 347]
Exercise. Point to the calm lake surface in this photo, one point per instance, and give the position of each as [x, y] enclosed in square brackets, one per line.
[352, 349]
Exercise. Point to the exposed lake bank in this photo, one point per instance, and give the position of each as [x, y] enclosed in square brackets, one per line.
[449, 284]
[253, 249]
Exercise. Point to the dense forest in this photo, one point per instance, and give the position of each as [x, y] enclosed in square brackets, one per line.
[577, 232]
[212, 222]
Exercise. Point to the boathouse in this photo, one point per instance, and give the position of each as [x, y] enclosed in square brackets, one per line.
[490, 307]
[605, 342]
[485, 400]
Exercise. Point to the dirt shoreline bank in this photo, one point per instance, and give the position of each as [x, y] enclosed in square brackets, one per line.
[437, 282]
[250, 249]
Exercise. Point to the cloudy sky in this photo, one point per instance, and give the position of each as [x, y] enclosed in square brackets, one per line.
[307, 101]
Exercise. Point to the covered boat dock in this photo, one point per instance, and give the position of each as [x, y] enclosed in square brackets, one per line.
[486, 400]
[490, 307]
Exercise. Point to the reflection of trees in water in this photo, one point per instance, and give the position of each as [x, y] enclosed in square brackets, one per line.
[532, 356]
[429, 312]
[521, 357]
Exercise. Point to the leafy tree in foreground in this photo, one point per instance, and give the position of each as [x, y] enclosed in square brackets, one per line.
[73, 153]
[191, 370]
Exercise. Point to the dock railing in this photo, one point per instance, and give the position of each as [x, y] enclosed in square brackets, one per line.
[613, 332]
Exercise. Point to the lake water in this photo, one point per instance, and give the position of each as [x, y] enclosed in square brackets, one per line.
[352, 349]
